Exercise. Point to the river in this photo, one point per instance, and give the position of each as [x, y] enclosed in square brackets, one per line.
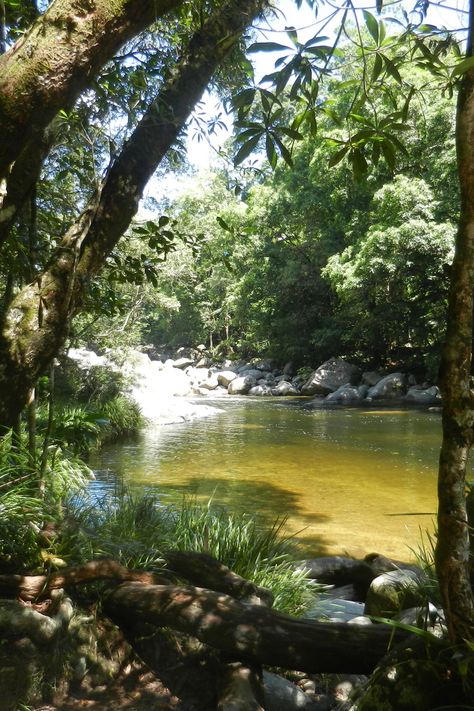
[349, 480]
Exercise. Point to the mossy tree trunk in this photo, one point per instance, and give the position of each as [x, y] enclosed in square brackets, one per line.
[58, 58]
[35, 324]
[452, 554]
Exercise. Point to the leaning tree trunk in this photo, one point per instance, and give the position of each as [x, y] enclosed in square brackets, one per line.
[452, 552]
[35, 326]
[58, 58]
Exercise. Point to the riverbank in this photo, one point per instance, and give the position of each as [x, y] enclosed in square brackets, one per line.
[163, 387]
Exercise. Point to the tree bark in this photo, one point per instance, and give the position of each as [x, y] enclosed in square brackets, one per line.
[453, 550]
[38, 587]
[253, 633]
[203, 569]
[23, 177]
[36, 324]
[58, 57]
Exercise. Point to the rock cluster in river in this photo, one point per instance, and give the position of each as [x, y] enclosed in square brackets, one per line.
[335, 381]
[165, 388]
[360, 592]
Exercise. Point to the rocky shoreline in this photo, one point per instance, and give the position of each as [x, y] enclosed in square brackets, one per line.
[168, 389]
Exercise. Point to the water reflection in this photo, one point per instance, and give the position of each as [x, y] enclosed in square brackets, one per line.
[348, 480]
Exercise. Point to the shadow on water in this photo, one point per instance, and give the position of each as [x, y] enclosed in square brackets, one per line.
[237, 497]
[347, 479]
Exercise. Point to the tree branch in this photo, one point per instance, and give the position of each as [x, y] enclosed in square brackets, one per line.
[57, 59]
[253, 633]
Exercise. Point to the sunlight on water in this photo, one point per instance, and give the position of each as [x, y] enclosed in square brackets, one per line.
[347, 479]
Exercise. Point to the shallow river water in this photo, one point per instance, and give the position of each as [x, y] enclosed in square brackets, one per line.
[349, 480]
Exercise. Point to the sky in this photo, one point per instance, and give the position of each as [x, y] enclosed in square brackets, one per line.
[201, 154]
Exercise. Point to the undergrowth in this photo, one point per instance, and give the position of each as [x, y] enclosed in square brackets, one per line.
[135, 529]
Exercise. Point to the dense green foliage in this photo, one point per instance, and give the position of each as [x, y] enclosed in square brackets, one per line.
[307, 262]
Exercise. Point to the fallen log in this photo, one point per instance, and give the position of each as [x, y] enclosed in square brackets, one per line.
[204, 570]
[197, 568]
[253, 633]
[35, 587]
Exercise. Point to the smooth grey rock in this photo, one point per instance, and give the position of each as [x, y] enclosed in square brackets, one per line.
[363, 390]
[204, 362]
[260, 390]
[329, 376]
[335, 609]
[345, 393]
[390, 387]
[282, 695]
[394, 591]
[225, 377]
[264, 365]
[289, 368]
[422, 616]
[426, 396]
[360, 620]
[284, 388]
[182, 363]
[252, 373]
[337, 570]
[241, 385]
[381, 564]
[211, 383]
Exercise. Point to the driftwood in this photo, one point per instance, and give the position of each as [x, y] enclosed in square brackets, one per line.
[253, 633]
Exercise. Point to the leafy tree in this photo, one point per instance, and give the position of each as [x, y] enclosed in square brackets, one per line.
[393, 282]
[35, 85]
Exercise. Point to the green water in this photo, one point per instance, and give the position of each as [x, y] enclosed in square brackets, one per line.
[349, 480]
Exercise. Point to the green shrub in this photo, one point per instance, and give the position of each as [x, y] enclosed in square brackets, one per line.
[135, 529]
[131, 528]
[248, 546]
[123, 417]
[95, 385]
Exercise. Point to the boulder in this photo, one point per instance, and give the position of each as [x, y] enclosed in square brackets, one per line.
[282, 695]
[388, 388]
[225, 377]
[260, 390]
[340, 571]
[252, 373]
[394, 591]
[345, 393]
[204, 362]
[371, 378]
[289, 368]
[329, 376]
[241, 385]
[381, 564]
[284, 388]
[423, 396]
[182, 363]
[197, 375]
[334, 609]
[264, 365]
[210, 383]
